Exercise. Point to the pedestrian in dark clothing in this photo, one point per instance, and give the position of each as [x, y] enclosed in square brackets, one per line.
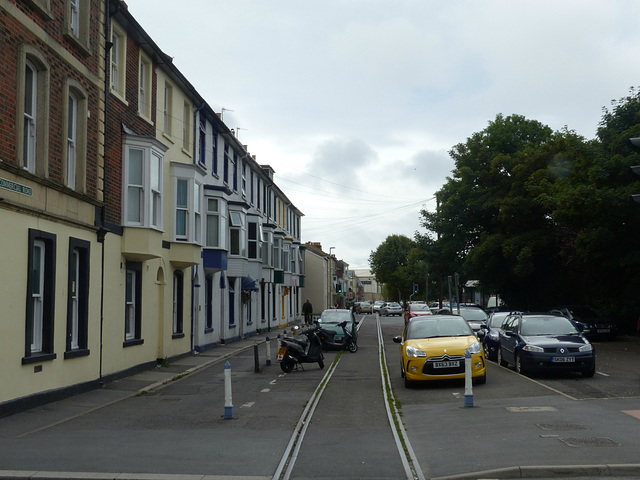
[307, 309]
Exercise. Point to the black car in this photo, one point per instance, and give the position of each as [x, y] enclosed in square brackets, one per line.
[491, 340]
[588, 321]
[475, 317]
[536, 342]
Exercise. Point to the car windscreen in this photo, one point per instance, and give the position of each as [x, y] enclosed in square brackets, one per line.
[470, 314]
[334, 317]
[441, 327]
[419, 307]
[585, 312]
[546, 326]
[496, 319]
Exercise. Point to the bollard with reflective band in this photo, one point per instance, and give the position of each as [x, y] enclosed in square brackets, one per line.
[228, 403]
[468, 379]
[268, 345]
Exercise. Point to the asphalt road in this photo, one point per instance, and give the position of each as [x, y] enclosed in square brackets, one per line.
[180, 428]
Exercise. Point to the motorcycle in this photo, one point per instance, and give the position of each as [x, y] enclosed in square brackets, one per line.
[296, 351]
[334, 340]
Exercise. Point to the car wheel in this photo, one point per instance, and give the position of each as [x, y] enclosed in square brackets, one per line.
[480, 380]
[408, 383]
[486, 351]
[519, 367]
[501, 359]
[590, 373]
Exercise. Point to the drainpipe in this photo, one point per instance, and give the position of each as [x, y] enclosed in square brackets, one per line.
[102, 232]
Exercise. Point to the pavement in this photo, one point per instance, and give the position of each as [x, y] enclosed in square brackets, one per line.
[128, 419]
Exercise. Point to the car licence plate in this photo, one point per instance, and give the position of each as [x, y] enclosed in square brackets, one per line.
[604, 330]
[281, 352]
[563, 359]
[448, 364]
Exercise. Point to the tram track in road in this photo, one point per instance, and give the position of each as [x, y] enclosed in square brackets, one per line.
[412, 470]
[407, 455]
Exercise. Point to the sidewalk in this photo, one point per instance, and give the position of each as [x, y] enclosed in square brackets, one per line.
[55, 413]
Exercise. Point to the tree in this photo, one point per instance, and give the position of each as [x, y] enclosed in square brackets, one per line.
[396, 264]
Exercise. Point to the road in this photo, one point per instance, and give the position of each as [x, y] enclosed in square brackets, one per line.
[346, 432]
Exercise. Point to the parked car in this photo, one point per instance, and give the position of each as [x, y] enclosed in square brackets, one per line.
[535, 342]
[330, 318]
[390, 308]
[364, 307]
[434, 348]
[475, 316]
[376, 306]
[491, 339]
[589, 322]
[416, 310]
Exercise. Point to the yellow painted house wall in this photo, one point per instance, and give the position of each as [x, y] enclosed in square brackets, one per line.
[18, 380]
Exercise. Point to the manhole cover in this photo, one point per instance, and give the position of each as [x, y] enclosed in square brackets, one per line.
[590, 442]
[531, 409]
[561, 426]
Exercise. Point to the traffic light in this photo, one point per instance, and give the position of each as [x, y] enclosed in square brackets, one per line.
[634, 143]
[415, 288]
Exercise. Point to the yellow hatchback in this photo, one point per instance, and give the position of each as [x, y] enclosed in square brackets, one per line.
[433, 348]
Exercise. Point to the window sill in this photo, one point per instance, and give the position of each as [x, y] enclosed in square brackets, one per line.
[177, 335]
[208, 330]
[38, 357]
[132, 343]
[119, 96]
[80, 352]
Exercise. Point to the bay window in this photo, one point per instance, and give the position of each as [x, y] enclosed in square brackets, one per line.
[143, 180]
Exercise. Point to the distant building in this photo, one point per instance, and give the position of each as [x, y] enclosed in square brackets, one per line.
[371, 289]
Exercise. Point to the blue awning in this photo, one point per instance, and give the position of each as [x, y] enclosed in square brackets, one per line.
[249, 284]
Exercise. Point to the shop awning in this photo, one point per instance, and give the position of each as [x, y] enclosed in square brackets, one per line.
[249, 284]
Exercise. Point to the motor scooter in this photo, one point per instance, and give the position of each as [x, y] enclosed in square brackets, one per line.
[333, 340]
[296, 351]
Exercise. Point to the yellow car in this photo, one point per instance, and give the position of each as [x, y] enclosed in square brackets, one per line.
[433, 348]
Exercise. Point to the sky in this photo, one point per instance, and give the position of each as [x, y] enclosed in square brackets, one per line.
[356, 103]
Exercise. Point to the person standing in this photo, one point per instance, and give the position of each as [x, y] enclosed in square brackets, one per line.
[307, 309]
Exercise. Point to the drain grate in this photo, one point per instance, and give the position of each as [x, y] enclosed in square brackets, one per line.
[561, 426]
[590, 442]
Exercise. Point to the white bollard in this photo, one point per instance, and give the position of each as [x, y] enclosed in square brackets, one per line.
[268, 345]
[228, 403]
[468, 380]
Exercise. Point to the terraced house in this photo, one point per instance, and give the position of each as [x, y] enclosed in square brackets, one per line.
[134, 226]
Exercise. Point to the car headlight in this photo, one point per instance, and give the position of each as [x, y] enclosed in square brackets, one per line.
[586, 348]
[475, 348]
[414, 352]
[532, 348]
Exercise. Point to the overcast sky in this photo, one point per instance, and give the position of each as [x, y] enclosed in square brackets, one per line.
[355, 103]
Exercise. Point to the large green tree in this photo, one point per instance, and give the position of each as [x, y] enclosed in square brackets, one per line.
[398, 263]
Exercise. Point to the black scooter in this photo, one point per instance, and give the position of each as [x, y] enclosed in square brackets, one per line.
[296, 351]
[332, 340]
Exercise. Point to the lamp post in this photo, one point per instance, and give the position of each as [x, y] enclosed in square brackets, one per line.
[331, 267]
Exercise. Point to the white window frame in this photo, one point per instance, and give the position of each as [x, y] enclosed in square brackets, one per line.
[118, 61]
[213, 218]
[150, 193]
[74, 17]
[144, 87]
[191, 211]
[237, 234]
[130, 304]
[72, 139]
[30, 115]
[37, 297]
[75, 304]
[182, 211]
[286, 250]
[186, 127]
[167, 108]
[251, 240]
